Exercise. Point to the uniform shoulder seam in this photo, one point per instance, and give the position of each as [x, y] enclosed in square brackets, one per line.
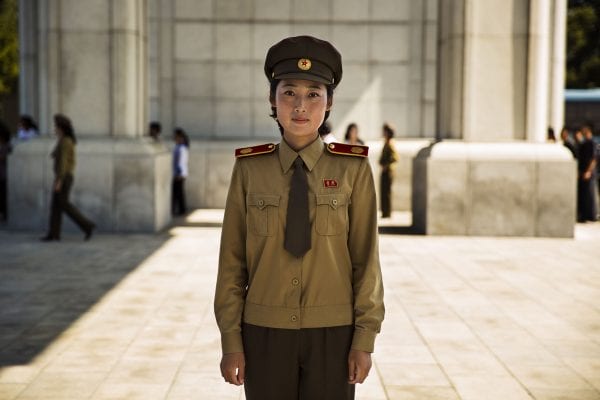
[254, 150]
[353, 150]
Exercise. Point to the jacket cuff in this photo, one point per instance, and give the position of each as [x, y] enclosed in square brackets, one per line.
[363, 340]
[231, 342]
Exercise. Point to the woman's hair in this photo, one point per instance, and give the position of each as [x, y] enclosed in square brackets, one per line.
[389, 130]
[28, 122]
[323, 129]
[181, 133]
[63, 123]
[155, 125]
[348, 129]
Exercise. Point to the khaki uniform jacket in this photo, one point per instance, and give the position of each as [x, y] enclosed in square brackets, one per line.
[64, 158]
[388, 158]
[337, 282]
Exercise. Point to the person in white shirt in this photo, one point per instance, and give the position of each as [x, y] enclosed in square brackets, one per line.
[180, 171]
[27, 128]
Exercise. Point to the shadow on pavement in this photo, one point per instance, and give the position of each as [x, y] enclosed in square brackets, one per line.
[398, 230]
[46, 287]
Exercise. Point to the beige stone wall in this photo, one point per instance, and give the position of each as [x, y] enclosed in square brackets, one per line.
[206, 60]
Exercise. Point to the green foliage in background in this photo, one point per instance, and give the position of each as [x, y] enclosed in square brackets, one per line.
[9, 46]
[583, 44]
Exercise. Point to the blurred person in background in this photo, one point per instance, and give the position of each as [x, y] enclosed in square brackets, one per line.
[587, 202]
[5, 149]
[568, 141]
[154, 130]
[351, 136]
[27, 128]
[386, 161]
[180, 171]
[64, 169]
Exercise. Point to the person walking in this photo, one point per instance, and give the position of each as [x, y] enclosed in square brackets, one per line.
[64, 169]
[5, 150]
[299, 295]
[180, 171]
[386, 161]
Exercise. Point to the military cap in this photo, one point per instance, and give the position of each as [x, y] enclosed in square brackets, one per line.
[304, 57]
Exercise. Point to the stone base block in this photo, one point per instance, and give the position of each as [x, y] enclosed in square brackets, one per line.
[123, 185]
[494, 189]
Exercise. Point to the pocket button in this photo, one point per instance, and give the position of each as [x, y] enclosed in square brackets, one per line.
[261, 202]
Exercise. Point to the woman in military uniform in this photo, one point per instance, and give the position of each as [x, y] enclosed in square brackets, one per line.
[299, 296]
[386, 161]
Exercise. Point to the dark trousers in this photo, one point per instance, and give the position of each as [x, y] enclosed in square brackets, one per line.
[60, 204]
[178, 206]
[386, 194]
[297, 364]
[587, 207]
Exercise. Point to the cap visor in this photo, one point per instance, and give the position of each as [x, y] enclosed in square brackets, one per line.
[303, 75]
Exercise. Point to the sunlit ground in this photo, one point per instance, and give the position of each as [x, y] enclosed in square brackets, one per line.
[130, 317]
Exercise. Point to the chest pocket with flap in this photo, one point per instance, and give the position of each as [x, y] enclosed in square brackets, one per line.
[332, 213]
[263, 213]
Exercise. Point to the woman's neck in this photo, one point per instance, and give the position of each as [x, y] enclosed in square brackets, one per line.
[298, 143]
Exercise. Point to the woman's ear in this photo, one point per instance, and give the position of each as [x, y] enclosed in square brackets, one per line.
[272, 99]
[329, 103]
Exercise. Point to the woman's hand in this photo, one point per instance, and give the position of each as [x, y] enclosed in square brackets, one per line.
[233, 368]
[359, 365]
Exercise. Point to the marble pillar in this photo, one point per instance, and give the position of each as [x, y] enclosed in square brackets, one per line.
[88, 61]
[490, 173]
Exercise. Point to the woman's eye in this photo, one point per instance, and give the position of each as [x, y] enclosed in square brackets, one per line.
[288, 93]
[314, 94]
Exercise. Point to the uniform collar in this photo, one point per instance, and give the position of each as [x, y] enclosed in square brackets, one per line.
[310, 154]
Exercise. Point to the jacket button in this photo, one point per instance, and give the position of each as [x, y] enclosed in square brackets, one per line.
[334, 202]
[295, 281]
[294, 318]
[261, 202]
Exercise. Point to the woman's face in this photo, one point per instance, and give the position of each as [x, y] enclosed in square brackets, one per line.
[57, 131]
[301, 106]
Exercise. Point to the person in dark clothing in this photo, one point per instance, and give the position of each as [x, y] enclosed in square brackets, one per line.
[587, 203]
[154, 130]
[5, 149]
[550, 137]
[64, 168]
[386, 161]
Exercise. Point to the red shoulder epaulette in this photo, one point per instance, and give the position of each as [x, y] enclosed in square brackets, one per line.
[348, 149]
[254, 150]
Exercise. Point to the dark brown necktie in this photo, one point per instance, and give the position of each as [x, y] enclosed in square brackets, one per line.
[297, 228]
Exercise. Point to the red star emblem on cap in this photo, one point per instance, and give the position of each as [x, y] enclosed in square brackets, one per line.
[304, 64]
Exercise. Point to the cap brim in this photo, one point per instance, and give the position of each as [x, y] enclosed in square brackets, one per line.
[303, 75]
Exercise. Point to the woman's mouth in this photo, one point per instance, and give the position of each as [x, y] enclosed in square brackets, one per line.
[300, 120]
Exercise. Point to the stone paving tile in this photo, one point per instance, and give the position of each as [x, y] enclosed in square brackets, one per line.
[130, 317]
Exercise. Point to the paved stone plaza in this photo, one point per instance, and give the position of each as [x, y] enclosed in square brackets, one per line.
[130, 317]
